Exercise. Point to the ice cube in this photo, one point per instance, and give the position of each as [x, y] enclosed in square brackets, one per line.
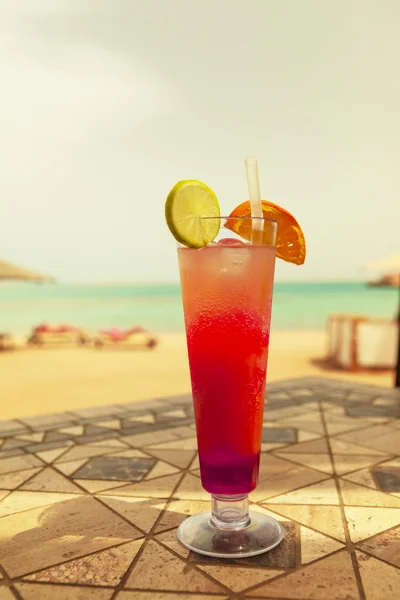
[231, 242]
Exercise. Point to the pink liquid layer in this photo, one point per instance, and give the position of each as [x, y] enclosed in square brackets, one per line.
[227, 299]
[227, 359]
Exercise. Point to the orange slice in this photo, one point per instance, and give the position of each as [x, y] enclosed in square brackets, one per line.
[290, 241]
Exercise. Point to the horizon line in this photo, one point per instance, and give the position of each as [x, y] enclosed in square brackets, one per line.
[176, 282]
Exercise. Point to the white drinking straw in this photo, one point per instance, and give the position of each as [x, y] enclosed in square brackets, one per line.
[253, 185]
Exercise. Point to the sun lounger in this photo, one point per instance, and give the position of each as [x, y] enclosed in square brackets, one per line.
[133, 337]
[58, 334]
[6, 341]
[358, 342]
[337, 324]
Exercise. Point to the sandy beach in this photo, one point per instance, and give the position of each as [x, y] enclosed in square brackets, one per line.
[44, 380]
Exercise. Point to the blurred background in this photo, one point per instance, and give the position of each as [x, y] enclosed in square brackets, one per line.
[105, 105]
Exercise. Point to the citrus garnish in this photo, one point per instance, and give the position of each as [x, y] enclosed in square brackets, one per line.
[290, 241]
[186, 206]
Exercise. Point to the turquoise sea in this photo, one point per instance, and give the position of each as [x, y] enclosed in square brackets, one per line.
[158, 307]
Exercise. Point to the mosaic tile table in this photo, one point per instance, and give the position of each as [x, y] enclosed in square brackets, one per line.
[90, 501]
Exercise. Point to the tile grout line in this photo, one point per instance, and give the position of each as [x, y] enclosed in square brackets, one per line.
[16, 592]
[67, 586]
[297, 464]
[4, 574]
[9, 584]
[6, 496]
[369, 553]
[41, 506]
[104, 505]
[67, 448]
[349, 546]
[21, 578]
[271, 598]
[327, 476]
[354, 430]
[27, 427]
[107, 451]
[268, 507]
[166, 461]
[381, 459]
[285, 574]
[378, 534]
[204, 595]
[289, 459]
[336, 435]
[389, 494]
[171, 498]
[18, 488]
[232, 595]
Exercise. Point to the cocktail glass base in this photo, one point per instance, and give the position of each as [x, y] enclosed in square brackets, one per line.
[262, 534]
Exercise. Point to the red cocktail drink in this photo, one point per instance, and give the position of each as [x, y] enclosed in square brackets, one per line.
[227, 295]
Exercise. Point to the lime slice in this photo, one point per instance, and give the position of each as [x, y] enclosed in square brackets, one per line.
[187, 204]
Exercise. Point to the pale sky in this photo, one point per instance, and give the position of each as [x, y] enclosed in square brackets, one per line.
[105, 104]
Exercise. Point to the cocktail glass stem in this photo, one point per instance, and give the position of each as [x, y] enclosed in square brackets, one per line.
[230, 512]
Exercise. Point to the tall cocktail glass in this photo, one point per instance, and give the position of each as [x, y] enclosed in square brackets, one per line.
[227, 297]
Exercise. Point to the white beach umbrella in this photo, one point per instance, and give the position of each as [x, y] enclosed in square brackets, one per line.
[14, 272]
[391, 264]
[10, 271]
